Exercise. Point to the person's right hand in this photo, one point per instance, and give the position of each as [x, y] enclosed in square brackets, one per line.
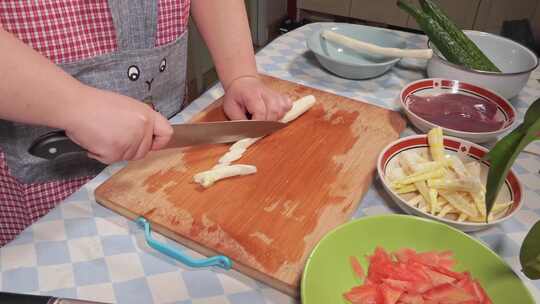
[113, 127]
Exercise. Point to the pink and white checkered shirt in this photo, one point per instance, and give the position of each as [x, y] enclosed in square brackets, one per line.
[64, 31]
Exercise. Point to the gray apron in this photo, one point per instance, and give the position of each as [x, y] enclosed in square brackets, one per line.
[137, 69]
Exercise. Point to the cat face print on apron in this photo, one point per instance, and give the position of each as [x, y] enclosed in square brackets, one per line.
[154, 75]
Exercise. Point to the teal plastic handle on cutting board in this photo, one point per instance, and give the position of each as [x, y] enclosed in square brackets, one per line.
[219, 260]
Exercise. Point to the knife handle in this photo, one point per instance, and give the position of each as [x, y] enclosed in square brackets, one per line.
[53, 144]
[18, 298]
[6, 297]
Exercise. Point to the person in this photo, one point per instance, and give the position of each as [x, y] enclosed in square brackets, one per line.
[109, 73]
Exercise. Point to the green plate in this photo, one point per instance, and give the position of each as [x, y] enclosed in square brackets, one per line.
[328, 273]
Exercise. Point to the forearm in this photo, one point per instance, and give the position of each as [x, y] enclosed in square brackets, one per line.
[225, 29]
[33, 90]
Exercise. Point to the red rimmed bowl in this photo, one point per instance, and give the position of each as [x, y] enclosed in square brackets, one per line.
[466, 151]
[436, 86]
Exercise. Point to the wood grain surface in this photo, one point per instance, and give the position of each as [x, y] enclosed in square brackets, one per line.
[311, 177]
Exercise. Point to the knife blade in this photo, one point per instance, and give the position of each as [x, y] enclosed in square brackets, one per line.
[56, 143]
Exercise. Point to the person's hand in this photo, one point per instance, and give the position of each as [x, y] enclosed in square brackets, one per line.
[250, 95]
[113, 127]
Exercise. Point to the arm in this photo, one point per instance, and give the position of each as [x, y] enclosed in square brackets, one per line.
[111, 127]
[33, 90]
[225, 29]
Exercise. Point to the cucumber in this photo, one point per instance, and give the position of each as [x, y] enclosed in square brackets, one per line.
[445, 43]
[481, 61]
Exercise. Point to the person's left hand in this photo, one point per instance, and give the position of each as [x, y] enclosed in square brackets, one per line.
[250, 95]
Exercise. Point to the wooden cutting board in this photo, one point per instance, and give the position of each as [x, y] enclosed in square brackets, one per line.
[311, 177]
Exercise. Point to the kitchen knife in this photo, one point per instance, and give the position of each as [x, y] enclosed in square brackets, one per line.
[56, 143]
[15, 298]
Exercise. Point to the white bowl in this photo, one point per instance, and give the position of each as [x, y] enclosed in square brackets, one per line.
[350, 64]
[514, 60]
[435, 86]
[466, 151]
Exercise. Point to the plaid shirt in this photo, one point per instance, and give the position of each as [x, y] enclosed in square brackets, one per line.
[64, 31]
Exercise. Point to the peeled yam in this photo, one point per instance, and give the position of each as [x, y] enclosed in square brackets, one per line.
[224, 169]
[299, 107]
[208, 178]
[231, 156]
[243, 144]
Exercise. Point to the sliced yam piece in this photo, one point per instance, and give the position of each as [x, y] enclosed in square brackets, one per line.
[208, 178]
[459, 202]
[224, 170]
[433, 201]
[420, 168]
[237, 150]
[231, 156]
[457, 165]
[436, 146]
[473, 168]
[415, 200]
[438, 173]
[423, 206]
[452, 216]
[447, 209]
[410, 160]
[220, 166]
[462, 217]
[480, 219]
[424, 156]
[453, 184]
[406, 189]
[299, 107]
[450, 174]
[497, 215]
[478, 199]
[407, 159]
[500, 207]
[424, 191]
[243, 144]
[499, 210]
[395, 173]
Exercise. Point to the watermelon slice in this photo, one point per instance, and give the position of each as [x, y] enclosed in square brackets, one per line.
[365, 294]
[390, 294]
[409, 277]
[408, 298]
[449, 294]
[357, 268]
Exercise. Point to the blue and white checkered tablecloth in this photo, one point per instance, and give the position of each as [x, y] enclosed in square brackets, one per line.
[83, 250]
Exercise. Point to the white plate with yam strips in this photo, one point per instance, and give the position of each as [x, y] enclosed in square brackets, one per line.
[444, 178]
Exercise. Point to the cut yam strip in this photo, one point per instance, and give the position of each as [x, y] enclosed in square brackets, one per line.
[224, 169]
[208, 178]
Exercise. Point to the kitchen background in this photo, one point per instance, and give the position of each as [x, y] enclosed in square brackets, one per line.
[516, 19]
